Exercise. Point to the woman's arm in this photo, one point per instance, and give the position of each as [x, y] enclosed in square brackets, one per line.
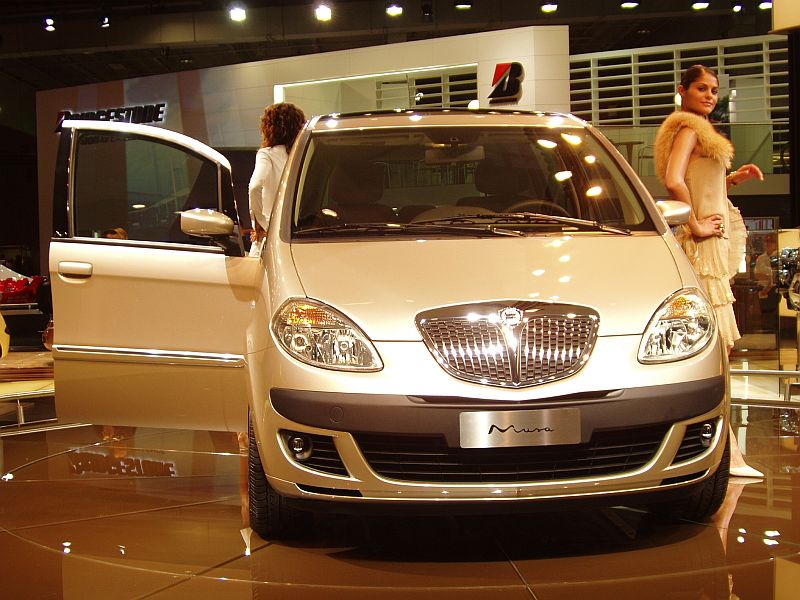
[675, 181]
[255, 194]
[742, 174]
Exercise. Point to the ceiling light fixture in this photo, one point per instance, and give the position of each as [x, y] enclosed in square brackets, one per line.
[736, 6]
[765, 5]
[628, 5]
[237, 12]
[394, 9]
[549, 7]
[104, 22]
[463, 4]
[49, 24]
[699, 5]
[323, 12]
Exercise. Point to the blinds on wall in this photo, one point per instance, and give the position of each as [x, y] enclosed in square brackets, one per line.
[637, 87]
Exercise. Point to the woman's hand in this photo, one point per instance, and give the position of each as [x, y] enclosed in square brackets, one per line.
[745, 172]
[257, 233]
[709, 226]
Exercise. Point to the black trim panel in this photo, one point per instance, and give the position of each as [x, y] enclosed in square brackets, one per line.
[400, 414]
[211, 248]
[61, 185]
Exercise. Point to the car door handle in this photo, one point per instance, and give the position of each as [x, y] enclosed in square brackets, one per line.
[76, 270]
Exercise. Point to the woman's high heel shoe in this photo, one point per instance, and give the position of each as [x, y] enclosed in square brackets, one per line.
[745, 471]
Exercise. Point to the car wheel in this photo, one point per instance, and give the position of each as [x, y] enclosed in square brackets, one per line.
[706, 501]
[270, 517]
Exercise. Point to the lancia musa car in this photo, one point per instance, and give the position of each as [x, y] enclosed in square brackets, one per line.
[452, 310]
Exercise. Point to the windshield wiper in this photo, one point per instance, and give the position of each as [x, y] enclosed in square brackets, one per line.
[390, 228]
[459, 218]
[583, 223]
[529, 217]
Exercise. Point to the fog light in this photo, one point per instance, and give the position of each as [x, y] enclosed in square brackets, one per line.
[706, 434]
[298, 445]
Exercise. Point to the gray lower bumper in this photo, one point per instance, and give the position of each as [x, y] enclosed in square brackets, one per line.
[399, 414]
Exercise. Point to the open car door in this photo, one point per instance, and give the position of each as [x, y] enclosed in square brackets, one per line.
[149, 330]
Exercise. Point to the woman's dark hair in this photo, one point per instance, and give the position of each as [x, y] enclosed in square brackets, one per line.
[280, 124]
[694, 73]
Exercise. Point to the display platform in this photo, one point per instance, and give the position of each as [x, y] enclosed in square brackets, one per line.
[120, 513]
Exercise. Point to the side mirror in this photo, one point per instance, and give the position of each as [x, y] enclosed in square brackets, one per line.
[675, 212]
[211, 224]
[204, 222]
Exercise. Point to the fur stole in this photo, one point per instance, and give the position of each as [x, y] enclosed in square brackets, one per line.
[712, 143]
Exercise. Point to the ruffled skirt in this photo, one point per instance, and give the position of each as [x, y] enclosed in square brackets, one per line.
[716, 260]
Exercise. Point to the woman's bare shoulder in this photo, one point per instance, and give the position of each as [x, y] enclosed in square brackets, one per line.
[686, 141]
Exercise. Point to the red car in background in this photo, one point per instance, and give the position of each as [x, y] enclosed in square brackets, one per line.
[25, 305]
[18, 289]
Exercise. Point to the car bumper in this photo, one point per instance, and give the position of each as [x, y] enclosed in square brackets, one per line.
[405, 449]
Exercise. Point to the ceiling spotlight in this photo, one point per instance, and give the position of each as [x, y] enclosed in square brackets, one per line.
[49, 24]
[323, 12]
[765, 5]
[463, 4]
[699, 5]
[628, 5]
[394, 9]
[237, 12]
[737, 7]
[104, 22]
[549, 7]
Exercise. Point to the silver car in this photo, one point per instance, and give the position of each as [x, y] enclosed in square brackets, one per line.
[452, 310]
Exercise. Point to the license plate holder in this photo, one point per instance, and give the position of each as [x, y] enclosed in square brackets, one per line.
[514, 428]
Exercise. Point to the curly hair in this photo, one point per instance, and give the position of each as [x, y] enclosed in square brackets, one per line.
[280, 124]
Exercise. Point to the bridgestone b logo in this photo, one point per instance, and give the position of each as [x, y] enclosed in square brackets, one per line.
[506, 83]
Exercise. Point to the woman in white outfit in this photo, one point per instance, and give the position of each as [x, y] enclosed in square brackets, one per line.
[280, 125]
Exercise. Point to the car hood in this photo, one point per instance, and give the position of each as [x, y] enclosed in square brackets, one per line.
[383, 284]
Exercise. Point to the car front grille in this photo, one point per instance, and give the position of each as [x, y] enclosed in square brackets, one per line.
[510, 344]
[429, 459]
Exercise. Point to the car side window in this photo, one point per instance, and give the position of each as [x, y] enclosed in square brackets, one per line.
[139, 186]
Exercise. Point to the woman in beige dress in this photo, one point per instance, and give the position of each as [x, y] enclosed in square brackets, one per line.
[692, 158]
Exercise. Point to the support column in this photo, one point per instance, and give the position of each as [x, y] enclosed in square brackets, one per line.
[794, 126]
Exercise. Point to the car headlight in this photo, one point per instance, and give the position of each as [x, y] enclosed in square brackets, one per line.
[321, 336]
[680, 328]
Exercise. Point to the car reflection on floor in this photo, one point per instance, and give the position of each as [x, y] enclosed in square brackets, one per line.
[93, 511]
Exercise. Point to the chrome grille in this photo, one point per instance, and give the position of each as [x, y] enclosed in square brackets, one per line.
[475, 349]
[551, 346]
[510, 344]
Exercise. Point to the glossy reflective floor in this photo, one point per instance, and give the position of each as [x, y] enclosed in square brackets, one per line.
[99, 512]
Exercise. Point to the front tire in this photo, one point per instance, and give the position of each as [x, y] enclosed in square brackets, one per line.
[270, 517]
[706, 501]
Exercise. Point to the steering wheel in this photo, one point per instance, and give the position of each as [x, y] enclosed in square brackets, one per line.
[538, 206]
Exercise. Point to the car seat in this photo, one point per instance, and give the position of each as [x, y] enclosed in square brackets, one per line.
[355, 187]
[501, 186]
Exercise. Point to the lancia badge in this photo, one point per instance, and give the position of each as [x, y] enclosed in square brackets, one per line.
[510, 316]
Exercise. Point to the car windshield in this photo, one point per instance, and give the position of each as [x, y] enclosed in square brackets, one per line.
[463, 181]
